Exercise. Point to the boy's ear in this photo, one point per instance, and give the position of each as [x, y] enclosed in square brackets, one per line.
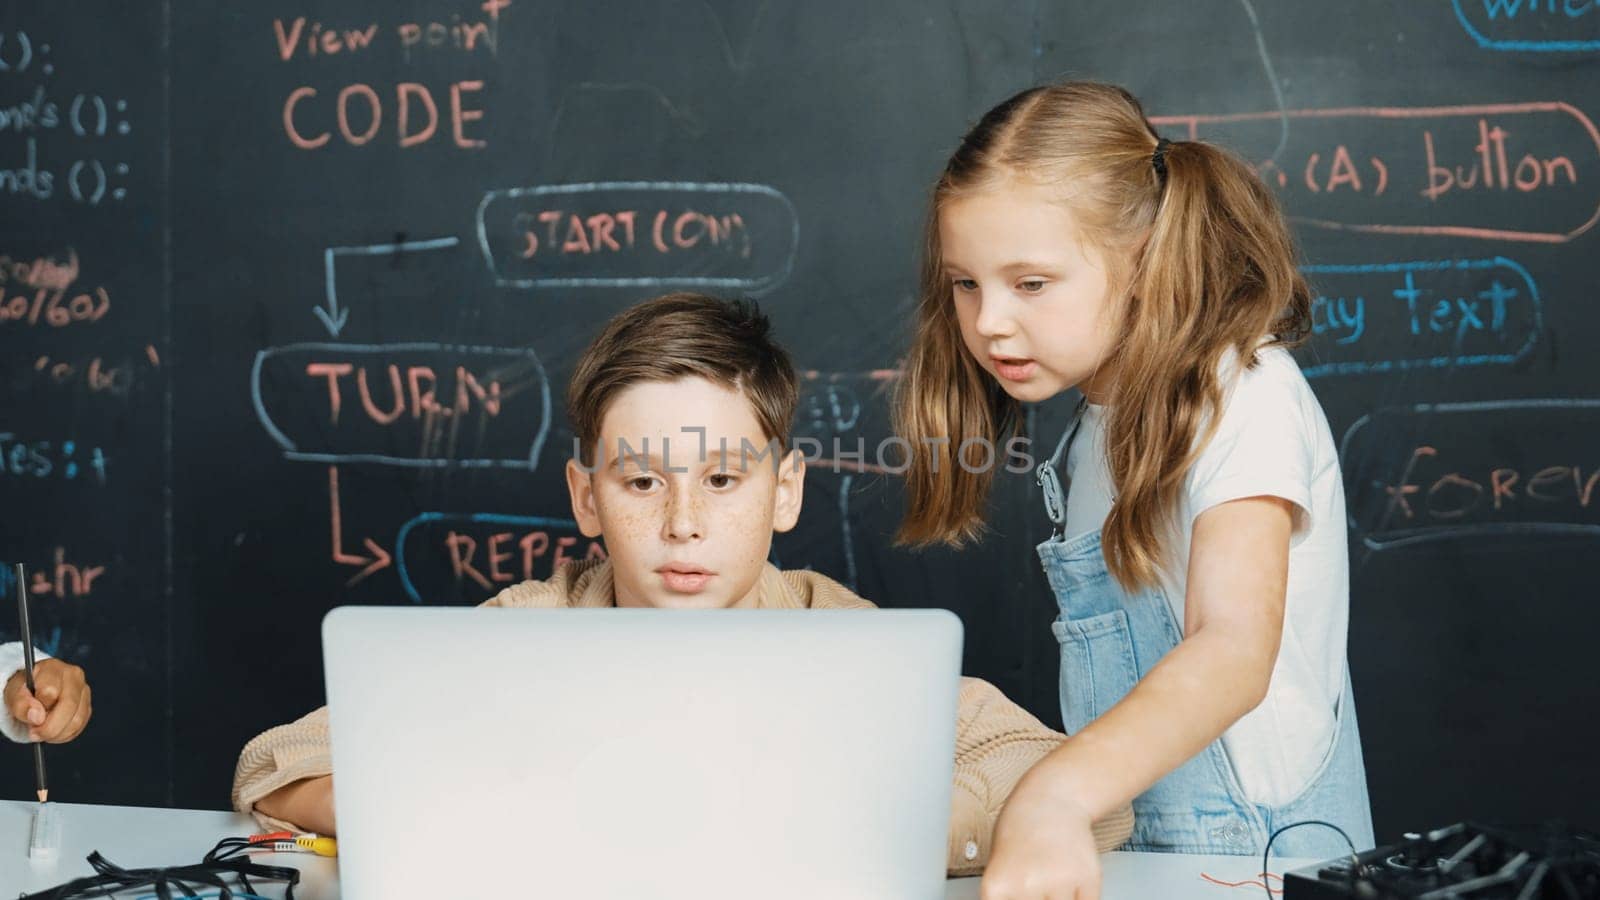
[580, 488]
[791, 491]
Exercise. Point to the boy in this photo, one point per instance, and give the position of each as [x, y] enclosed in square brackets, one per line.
[682, 408]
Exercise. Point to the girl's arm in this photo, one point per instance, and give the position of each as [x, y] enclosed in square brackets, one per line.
[1233, 622]
[997, 742]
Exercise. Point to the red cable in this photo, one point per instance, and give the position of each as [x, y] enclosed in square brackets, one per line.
[1260, 881]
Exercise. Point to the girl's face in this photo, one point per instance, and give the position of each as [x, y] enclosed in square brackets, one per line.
[1032, 296]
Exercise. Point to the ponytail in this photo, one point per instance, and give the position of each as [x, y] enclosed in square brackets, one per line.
[1216, 276]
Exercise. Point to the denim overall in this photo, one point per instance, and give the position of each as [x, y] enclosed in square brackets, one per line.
[1109, 640]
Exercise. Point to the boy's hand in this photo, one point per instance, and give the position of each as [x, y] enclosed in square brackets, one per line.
[308, 803]
[58, 709]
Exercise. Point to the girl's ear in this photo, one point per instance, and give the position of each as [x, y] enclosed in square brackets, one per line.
[580, 488]
[790, 491]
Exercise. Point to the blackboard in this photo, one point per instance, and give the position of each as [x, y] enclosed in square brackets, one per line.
[291, 293]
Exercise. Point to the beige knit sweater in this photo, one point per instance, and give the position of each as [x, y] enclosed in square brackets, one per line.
[996, 740]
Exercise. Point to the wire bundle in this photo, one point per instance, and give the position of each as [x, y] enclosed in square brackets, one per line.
[224, 860]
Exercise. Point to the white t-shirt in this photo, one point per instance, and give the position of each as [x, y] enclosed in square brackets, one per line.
[1273, 440]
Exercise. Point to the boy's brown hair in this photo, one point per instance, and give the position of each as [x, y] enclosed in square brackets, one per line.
[684, 335]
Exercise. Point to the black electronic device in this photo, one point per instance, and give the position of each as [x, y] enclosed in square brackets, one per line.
[1468, 861]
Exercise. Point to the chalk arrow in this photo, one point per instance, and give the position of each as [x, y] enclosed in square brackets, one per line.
[379, 558]
[333, 318]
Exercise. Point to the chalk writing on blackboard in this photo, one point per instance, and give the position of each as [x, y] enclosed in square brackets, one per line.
[829, 426]
[61, 577]
[358, 113]
[404, 113]
[46, 638]
[332, 315]
[1535, 26]
[1388, 317]
[53, 460]
[376, 557]
[45, 308]
[91, 175]
[441, 554]
[837, 413]
[1514, 171]
[44, 292]
[85, 114]
[1434, 471]
[19, 52]
[403, 404]
[95, 375]
[639, 233]
[55, 272]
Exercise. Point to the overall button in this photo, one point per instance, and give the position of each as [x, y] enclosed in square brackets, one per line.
[1235, 835]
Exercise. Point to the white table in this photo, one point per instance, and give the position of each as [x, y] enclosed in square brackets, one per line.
[136, 837]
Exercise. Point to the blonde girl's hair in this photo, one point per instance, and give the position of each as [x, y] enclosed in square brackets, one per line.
[1201, 264]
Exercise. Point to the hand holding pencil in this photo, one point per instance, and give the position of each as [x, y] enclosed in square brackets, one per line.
[55, 707]
[59, 706]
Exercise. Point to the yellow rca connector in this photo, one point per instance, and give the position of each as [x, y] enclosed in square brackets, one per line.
[321, 846]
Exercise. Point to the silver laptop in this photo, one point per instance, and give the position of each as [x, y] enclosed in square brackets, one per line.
[642, 753]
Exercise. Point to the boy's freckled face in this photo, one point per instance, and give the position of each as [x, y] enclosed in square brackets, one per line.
[684, 525]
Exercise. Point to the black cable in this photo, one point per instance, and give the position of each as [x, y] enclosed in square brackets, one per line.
[1355, 857]
[221, 861]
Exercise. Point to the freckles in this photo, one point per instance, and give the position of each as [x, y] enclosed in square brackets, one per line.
[618, 523]
[753, 519]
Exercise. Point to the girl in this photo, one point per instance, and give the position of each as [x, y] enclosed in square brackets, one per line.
[1200, 561]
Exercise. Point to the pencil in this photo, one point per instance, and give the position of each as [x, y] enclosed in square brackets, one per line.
[43, 788]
